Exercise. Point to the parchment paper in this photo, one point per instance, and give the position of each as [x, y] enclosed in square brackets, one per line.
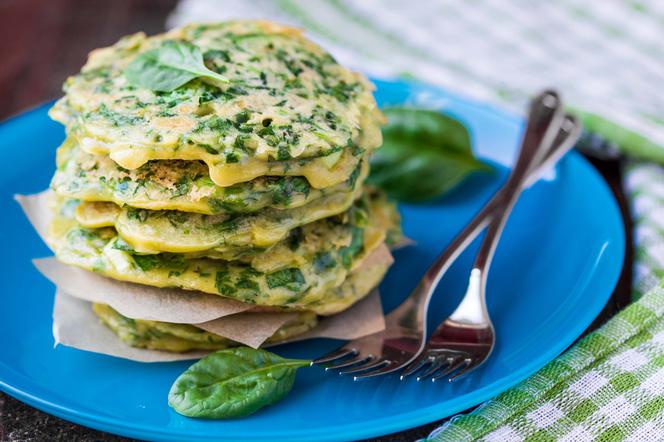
[251, 329]
[76, 325]
[37, 211]
[361, 319]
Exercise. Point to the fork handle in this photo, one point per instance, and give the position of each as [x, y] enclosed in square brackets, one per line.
[544, 122]
[417, 303]
[472, 308]
[540, 135]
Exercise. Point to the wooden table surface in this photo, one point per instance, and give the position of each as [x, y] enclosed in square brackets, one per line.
[43, 41]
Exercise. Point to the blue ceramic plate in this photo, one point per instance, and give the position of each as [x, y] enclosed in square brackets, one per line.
[555, 268]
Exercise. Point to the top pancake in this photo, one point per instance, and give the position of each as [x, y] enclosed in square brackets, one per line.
[287, 102]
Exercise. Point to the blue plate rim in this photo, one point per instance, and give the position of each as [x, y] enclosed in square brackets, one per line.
[375, 427]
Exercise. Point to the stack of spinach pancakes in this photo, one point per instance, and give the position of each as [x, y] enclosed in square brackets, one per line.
[246, 185]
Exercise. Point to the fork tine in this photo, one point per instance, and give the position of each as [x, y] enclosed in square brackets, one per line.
[465, 370]
[365, 367]
[351, 362]
[388, 368]
[439, 364]
[453, 367]
[435, 366]
[333, 356]
[415, 366]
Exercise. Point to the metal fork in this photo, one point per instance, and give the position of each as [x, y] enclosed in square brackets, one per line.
[404, 337]
[465, 340]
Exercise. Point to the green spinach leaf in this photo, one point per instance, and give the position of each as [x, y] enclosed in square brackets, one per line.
[233, 383]
[424, 154]
[169, 66]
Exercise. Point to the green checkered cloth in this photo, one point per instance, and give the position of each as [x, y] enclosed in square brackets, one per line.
[608, 59]
[645, 185]
[607, 387]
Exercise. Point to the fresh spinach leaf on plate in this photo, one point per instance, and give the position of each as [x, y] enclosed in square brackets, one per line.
[424, 154]
[233, 383]
[169, 66]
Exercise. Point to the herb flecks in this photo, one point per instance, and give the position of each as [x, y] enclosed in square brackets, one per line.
[291, 279]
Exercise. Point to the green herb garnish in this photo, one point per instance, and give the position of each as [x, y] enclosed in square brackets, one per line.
[291, 278]
[424, 154]
[233, 383]
[349, 252]
[224, 284]
[169, 66]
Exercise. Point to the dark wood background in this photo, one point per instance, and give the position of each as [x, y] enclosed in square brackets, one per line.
[43, 41]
